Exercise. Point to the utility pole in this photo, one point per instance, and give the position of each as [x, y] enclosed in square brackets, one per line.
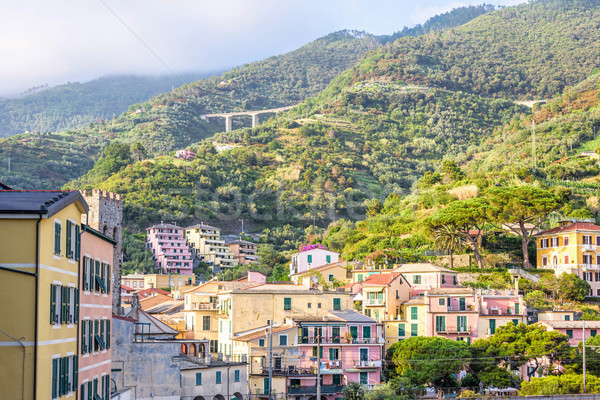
[319, 363]
[242, 228]
[584, 391]
[270, 358]
[533, 146]
[8, 164]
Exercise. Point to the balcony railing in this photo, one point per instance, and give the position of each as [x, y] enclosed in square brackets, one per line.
[374, 302]
[340, 340]
[205, 306]
[455, 330]
[459, 308]
[308, 390]
[290, 370]
[367, 364]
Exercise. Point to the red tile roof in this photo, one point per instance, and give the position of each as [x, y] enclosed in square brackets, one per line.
[142, 294]
[576, 226]
[381, 279]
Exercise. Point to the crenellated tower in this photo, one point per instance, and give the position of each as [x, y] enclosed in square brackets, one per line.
[106, 216]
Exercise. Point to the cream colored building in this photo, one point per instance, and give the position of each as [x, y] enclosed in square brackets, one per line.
[208, 246]
[328, 275]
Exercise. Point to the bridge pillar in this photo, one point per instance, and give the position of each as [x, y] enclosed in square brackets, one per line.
[228, 122]
[254, 120]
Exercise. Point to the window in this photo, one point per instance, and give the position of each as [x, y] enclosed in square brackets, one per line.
[364, 378]
[554, 242]
[309, 305]
[309, 258]
[283, 340]
[364, 354]
[515, 322]
[414, 329]
[315, 349]
[587, 259]
[287, 303]
[570, 333]
[336, 379]
[587, 239]
[544, 261]
[206, 322]
[366, 332]
[414, 313]
[401, 330]
[318, 305]
[334, 354]
[565, 241]
[335, 334]
[330, 278]
[417, 279]
[517, 305]
[64, 375]
[354, 332]
[543, 243]
[442, 302]
[567, 317]
[218, 377]
[593, 332]
[57, 238]
[566, 260]
[492, 326]
[440, 323]
[337, 304]
[461, 323]
[236, 375]
[462, 304]
[198, 378]
[261, 342]
[328, 259]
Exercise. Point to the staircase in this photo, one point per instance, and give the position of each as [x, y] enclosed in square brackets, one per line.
[524, 274]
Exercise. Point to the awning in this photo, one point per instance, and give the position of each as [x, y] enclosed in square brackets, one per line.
[336, 371]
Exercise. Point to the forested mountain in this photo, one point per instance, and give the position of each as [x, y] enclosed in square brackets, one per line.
[173, 120]
[74, 105]
[530, 51]
[451, 19]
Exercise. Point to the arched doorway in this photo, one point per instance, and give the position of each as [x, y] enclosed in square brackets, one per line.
[193, 351]
[198, 398]
[555, 261]
[184, 349]
[219, 397]
[115, 231]
[238, 396]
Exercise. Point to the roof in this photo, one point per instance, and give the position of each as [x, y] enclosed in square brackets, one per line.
[202, 226]
[337, 316]
[127, 288]
[162, 225]
[47, 202]
[87, 228]
[560, 324]
[258, 333]
[382, 279]
[156, 326]
[445, 291]
[576, 226]
[142, 294]
[417, 300]
[323, 267]
[191, 365]
[166, 307]
[225, 286]
[422, 267]
[4, 187]
[241, 242]
[273, 287]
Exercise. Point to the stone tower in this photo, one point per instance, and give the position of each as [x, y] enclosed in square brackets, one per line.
[106, 216]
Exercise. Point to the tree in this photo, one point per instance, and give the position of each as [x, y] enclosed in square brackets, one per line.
[139, 151]
[560, 384]
[536, 299]
[431, 360]
[353, 391]
[114, 157]
[572, 287]
[522, 209]
[511, 347]
[447, 237]
[467, 217]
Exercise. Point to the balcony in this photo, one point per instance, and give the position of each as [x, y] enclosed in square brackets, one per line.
[340, 340]
[459, 308]
[367, 364]
[374, 302]
[309, 390]
[455, 330]
[205, 306]
[588, 247]
[290, 370]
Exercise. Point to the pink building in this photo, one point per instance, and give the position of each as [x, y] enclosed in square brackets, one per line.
[453, 313]
[426, 276]
[312, 256]
[170, 249]
[350, 351]
[95, 312]
[573, 329]
[185, 154]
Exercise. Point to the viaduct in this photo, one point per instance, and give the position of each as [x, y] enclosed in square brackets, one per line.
[254, 114]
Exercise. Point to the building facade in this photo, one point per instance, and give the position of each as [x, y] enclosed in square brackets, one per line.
[208, 246]
[244, 252]
[169, 249]
[312, 256]
[39, 290]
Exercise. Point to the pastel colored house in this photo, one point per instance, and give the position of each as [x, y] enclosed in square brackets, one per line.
[573, 329]
[425, 276]
[185, 154]
[206, 242]
[134, 281]
[572, 247]
[498, 308]
[169, 249]
[383, 295]
[213, 379]
[243, 251]
[556, 315]
[95, 313]
[312, 256]
[328, 275]
[39, 290]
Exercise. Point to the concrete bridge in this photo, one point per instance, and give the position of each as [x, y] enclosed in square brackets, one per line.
[254, 114]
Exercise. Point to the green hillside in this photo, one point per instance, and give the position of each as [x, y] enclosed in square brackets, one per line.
[530, 51]
[173, 120]
[74, 105]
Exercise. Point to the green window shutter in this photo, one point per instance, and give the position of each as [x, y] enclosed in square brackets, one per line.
[102, 323]
[492, 326]
[95, 390]
[89, 391]
[103, 277]
[218, 377]
[62, 304]
[75, 371]
[55, 377]
[287, 303]
[462, 304]
[76, 305]
[63, 375]
[52, 304]
[108, 334]
[328, 259]
[198, 378]
[414, 329]
[108, 278]
[314, 351]
[354, 332]
[96, 331]
[309, 258]
[516, 308]
[97, 275]
[83, 325]
[337, 304]
[401, 330]
[57, 238]
[77, 242]
[90, 334]
[414, 313]
[68, 247]
[84, 283]
[236, 375]
[515, 322]
[366, 332]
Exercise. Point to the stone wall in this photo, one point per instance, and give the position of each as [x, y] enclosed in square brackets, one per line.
[106, 216]
[459, 260]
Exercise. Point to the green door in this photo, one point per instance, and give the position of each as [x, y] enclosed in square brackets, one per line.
[354, 332]
[492, 326]
[266, 386]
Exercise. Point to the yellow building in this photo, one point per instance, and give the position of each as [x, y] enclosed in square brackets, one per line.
[572, 247]
[328, 275]
[383, 294]
[208, 246]
[244, 309]
[412, 321]
[39, 270]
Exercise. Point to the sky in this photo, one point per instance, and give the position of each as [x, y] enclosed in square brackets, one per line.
[59, 41]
